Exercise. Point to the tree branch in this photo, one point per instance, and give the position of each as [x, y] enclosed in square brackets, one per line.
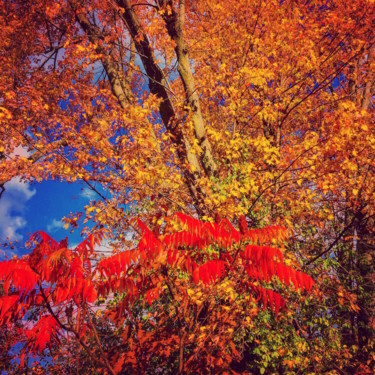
[175, 26]
[189, 163]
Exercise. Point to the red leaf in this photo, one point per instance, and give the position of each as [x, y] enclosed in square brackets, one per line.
[6, 303]
[293, 278]
[270, 297]
[89, 293]
[286, 275]
[277, 300]
[279, 272]
[264, 296]
[195, 274]
[242, 223]
[22, 360]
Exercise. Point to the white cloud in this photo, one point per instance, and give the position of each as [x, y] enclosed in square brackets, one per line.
[88, 194]
[104, 248]
[20, 151]
[12, 209]
[54, 225]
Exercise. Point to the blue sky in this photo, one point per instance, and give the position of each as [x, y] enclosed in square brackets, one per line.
[28, 207]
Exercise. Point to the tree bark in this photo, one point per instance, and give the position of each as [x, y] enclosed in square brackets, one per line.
[175, 26]
[189, 162]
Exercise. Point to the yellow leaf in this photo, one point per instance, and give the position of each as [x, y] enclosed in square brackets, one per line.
[90, 209]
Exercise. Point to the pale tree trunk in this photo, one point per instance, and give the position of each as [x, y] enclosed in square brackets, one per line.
[175, 26]
[189, 163]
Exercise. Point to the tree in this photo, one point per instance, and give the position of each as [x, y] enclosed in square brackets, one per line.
[183, 300]
[264, 109]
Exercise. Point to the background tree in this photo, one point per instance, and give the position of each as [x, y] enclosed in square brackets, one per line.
[180, 302]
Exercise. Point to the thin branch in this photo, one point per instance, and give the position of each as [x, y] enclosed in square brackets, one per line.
[333, 244]
[104, 356]
[69, 329]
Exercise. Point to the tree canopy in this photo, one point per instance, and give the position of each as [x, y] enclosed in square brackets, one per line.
[230, 147]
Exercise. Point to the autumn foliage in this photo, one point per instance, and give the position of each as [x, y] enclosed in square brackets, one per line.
[210, 275]
[175, 114]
